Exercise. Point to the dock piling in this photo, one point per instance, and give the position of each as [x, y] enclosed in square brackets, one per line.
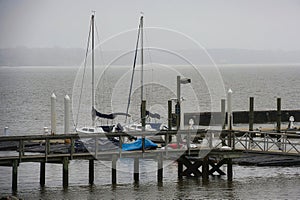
[136, 170]
[229, 169]
[15, 175]
[53, 114]
[223, 113]
[114, 170]
[67, 117]
[65, 172]
[160, 168]
[91, 172]
[278, 127]
[205, 169]
[229, 116]
[42, 174]
[251, 113]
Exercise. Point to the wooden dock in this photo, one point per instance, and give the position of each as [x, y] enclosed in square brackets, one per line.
[192, 162]
[201, 161]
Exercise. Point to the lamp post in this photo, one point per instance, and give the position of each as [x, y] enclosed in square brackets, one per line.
[177, 106]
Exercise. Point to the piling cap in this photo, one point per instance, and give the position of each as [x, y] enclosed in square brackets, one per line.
[53, 96]
[67, 97]
[229, 91]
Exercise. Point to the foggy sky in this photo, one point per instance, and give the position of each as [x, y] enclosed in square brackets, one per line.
[244, 24]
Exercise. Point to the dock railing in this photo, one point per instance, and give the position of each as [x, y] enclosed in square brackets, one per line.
[285, 142]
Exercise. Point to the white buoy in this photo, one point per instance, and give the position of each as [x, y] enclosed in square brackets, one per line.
[67, 114]
[53, 114]
[229, 109]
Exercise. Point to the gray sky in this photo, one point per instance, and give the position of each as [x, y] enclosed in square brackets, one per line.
[247, 24]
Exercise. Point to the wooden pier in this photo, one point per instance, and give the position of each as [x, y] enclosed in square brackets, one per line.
[190, 160]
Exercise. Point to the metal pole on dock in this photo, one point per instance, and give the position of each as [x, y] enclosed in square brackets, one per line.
[53, 114]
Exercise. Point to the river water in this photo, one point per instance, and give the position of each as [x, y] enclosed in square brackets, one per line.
[25, 109]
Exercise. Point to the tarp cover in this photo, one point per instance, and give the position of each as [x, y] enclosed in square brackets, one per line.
[137, 145]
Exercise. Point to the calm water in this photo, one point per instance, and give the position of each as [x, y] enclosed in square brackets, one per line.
[25, 102]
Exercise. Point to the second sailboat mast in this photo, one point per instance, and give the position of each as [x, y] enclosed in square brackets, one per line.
[142, 60]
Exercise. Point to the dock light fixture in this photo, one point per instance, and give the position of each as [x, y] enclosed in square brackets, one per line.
[177, 107]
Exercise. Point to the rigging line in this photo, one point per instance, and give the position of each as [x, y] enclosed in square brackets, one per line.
[101, 51]
[133, 69]
[84, 69]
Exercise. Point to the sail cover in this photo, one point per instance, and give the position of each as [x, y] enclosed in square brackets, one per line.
[152, 115]
[107, 116]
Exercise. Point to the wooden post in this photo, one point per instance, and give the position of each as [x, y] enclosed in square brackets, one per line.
[223, 121]
[229, 169]
[160, 168]
[65, 172]
[180, 168]
[91, 172]
[15, 175]
[136, 170]
[114, 170]
[42, 173]
[143, 114]
[169, 119]
[278, 127]
[205, 169]
[251, 118]
[223, 114]
[251, 113]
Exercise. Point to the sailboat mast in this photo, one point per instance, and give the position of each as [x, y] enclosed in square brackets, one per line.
[142, 60]
[93, 67]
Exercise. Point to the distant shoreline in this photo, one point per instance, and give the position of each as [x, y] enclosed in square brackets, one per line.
[22, 56]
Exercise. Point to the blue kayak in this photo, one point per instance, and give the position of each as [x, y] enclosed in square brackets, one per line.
[137, 145]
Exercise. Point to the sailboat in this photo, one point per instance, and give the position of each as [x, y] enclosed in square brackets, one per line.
[95, 113]
[138, 126]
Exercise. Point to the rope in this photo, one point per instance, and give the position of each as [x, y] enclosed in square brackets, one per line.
[133, 69]
[84, 69]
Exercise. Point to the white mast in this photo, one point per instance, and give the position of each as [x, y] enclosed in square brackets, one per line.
[142, 60]
[93, 78]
